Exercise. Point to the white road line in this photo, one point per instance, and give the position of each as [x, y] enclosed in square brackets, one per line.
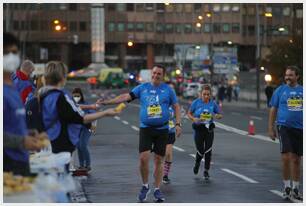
[279, 193]
[178, 148]
[117, 118]
[235, 113]
[124, 122]
[242, 132]
[239, 175]
[135, 128]
[255, 117]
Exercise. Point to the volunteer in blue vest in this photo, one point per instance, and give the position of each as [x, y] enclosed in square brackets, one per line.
[287, 109]
[22, 82]
[61, 116]
[202, 112]
[17, 140]
[155, 99]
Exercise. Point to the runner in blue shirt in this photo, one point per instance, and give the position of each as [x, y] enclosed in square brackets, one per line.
[201, 113]
[155, 99]
[287, 109]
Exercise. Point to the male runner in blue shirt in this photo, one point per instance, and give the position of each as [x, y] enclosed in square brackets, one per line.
[155, 98]
[287, 108]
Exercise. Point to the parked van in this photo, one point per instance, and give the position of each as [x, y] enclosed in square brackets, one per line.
[111, 77]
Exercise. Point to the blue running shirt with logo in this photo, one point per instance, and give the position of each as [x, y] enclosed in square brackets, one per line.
[204, 111]
[289, 102]
[154, 104]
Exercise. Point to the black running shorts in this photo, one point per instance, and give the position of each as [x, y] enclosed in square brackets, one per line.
[153, 139]
[290, 139]
[171, 138]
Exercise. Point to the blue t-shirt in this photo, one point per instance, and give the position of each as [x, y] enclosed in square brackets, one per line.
[14, 120]
[171, 120]
[154, 104]
[204, 111]
[289, 102]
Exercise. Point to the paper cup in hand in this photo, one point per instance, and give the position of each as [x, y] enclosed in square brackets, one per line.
[120, 107]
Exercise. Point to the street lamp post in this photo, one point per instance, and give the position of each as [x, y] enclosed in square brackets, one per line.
[257, 57]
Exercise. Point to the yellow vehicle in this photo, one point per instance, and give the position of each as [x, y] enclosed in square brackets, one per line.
[111, 77]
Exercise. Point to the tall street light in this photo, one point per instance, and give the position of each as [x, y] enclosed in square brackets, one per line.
[209, 15]
[257, 57]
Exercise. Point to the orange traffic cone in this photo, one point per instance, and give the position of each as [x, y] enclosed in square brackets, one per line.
[251, 127]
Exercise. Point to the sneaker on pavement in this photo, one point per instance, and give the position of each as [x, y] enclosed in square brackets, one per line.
[166, 179]
[196, 167]
[143, 194]
[296, 194]
[286, 192]
[206, 175]
[158, 196]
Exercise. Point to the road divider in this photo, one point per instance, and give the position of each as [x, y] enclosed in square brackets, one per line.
[245, 178]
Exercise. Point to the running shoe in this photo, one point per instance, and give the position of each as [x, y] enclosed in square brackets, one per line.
[158, 196]
[206, 175]
[286, 193]
[196, 167]
[143, 194]
[166, 179]
[296, 195]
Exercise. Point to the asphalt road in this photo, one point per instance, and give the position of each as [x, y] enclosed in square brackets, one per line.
[245, 169]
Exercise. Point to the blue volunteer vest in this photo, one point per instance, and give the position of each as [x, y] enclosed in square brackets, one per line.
[50, 115]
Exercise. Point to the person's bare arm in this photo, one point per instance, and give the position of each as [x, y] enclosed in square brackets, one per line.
[191, 117]
[178, 128]
[119, 99]
[97, 115]
[272, 117]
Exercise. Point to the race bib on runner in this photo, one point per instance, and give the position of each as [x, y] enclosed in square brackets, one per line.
[154, 111]
[171, 124]
[205, 117]
[295, 104]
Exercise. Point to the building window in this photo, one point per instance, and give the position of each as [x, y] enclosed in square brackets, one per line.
[34, 25]
[73, 7]
[169, 28]
[225, 28]
[251, 10]
[83, 26]
[226, 7]
[111, 27]
[235, 28]
[216, 7]
[197, 7]
[251, 30]
[269, 9]
[235, 8]
[170, 8]
[63, 7]
[299, 13]
[286, 11]
[83, 6]
[139, 7]
[277, 11]
[149, 27]
[120, 7]
[244, 30]
[178, 8]
[15, 25]
[129, 7]
[111, 7]
[22, 25]
[44, 26]
[73, 26]
[130, 26]
[140, 27]
[149, 7]
[178, 28]
[159, 28]
[207, 28]
[217, 27]
[120, 27]
[188, 8]
[160, 7]
[187, 28]
[197, 29]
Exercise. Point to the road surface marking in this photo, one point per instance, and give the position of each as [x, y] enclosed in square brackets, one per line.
[178, 148]
[279, 193]
[242, 132]
[255, 117]
[235, 113]
[135, 128]
[117, 118]
[239, 175]
[124, 122]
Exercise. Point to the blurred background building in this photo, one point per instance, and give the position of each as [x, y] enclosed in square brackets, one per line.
[139, 35]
